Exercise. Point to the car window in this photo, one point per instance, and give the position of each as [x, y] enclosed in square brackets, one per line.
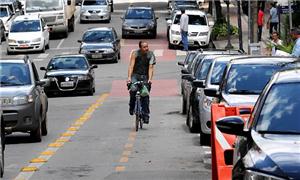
[26, 26]
[3, 12]
[280, 111]
[14, 74]
[248, 78]
[139, 14]
[217, 72]
[189, 58]
[203, 70]
[94, 2]
[97, 36]
[62, 63]
[193, 20]
[38, 5]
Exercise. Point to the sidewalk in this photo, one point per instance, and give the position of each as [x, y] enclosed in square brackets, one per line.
[220, 44]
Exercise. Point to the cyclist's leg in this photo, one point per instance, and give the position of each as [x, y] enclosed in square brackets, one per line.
[132, 93]
[145, 107]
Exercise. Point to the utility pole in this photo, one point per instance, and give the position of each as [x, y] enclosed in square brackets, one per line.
[240, 25]
[254, 11]
[229, 45]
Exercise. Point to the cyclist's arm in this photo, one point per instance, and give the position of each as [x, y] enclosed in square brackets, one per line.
[150, 72]
[131, 65]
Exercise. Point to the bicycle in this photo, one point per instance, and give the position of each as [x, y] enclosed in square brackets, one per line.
[138, 106]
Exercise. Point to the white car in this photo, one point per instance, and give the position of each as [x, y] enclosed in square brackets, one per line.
[7, 16]
[198, 29]
[28, 33]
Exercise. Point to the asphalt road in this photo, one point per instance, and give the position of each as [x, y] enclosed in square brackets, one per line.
[92, 137]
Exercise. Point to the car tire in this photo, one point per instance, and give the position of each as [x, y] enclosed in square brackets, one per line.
[115, 60]
[45, 126]
[71, 27]
[119, 55]
[205, 139]
[171, 46]
[193, 127]
[184, 109]
[124, 36]
[37, 133]
[154, 34]
[48, 45]
[9, 52]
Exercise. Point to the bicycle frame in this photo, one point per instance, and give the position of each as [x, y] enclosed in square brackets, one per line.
[138, 111]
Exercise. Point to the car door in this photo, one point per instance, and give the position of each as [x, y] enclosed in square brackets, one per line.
[117, 43]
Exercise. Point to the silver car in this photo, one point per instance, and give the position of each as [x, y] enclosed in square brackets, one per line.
[95, 10]
[22, 97]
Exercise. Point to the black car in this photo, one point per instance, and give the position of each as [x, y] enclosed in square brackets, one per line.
[268, 145]
[100, 44]
[69, 73]
[139, 21]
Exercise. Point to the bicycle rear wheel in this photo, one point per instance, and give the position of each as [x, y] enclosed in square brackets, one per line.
[137, 120]
[141, 123]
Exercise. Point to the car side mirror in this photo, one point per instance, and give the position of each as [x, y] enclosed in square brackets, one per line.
[80, 41]
[199, 83]
[211, 23]
[187, 77]
[94, 66]
[69, 2]
[180, 63]
[211, 92]
[184, 71]
[43, 82]
[157, 18]
[169, 22]
[43, 68]
[231, 125]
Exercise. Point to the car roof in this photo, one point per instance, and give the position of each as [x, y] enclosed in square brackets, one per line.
[15, 59]
[69, 55]
[100, 29]
[27, 17]
[288, 76]
[262, 60]
[228, 57]
[192, 12]
[140, 7]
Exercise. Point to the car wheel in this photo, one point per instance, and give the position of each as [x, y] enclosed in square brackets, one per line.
[154, 34]
[124, 36]
[119, 55]
[193, 127]
[45, 126]
[183, 105]
[37, 133]
[9, 52]
[171, 46]
[205, 139]
[48, 45]
[115, 60]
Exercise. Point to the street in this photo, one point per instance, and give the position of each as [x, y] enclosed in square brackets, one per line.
[93, 137]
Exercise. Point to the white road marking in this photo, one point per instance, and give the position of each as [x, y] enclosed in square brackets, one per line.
[180, 53]
[60, 43]
[158, 52]
[38, 60]
[42, 56]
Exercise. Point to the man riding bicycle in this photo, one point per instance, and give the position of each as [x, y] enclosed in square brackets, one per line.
[141, 68]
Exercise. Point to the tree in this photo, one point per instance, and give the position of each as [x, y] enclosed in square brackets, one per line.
[219, 16]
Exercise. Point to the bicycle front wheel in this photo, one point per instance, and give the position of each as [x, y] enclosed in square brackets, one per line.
[137, 120]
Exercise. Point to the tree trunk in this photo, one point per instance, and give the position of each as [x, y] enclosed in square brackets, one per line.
[219, 16]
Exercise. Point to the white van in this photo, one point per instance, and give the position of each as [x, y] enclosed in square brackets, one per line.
[27, 33]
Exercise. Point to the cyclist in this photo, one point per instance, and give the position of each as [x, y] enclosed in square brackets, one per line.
[141, 68]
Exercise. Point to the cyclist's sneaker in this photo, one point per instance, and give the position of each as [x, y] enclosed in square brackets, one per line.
[146, 119]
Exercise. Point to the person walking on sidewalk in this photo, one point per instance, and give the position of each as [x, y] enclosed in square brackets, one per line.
[296, 35]
[260, 22]
[273, 19]
[184, 23]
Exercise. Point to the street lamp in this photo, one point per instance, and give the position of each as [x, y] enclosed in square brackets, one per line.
[228, 46]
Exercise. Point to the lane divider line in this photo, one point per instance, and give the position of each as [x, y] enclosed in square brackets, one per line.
[36, 163]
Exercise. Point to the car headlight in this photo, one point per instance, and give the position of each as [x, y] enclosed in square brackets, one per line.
[125, 24]
[203, 33]
[151, 24]
[109, 50]
[18, 100]
[260, 176]
[175, 32]
[80, 78]
[37, 40]
[11, 41]
[85, 13]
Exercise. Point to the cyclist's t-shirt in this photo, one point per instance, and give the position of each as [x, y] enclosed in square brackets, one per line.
[142, 62]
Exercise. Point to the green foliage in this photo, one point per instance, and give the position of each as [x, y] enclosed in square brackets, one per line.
[220, 30]
[286, 48]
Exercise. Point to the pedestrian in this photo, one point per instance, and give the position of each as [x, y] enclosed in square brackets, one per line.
[260, 22]
[184, 22]
[296, 36]
[273, 19]
[141, 68]
[275, 42]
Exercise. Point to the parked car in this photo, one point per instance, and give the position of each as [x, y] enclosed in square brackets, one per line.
[100, 44]
[95, 10]
[139, 21]
[7, 16]
[182, 4]
[69, 73]
[28, 33]
[198, 29]
[22, 97]
[268, 145]
[2, 32]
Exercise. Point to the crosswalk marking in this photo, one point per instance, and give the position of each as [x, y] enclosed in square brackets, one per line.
[180, 53]
[158, 52]
[42, 56]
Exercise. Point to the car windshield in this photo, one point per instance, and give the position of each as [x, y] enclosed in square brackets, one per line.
[202, 71]
[189, 58]
[94, 2]
[63, 63]
[14, 74]
[186, 3]
[193, 20]
[249, 78]
[217, 72]
[97, 36]
[38, 5]
[26, 26]
[139, 14]
[280, 112]
[3, 12]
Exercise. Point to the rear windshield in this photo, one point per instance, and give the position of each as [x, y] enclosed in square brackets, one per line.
[94, 2]
[249, 78]
[61, 63]
[139, 14]
[97, 36]
[217, 73]
[280, 112]
[3, 12]
[26, 26]
[14, 74]
[193, 20]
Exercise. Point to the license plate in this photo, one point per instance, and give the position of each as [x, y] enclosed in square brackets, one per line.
[191, 42]
[97, 56]
[24, 46]
[67, 84]
[137, 31]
